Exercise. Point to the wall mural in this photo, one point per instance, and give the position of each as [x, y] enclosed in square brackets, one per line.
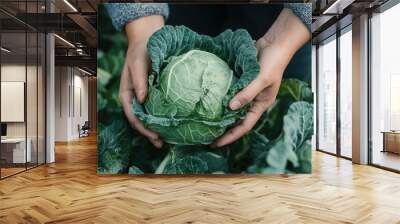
[204, 89]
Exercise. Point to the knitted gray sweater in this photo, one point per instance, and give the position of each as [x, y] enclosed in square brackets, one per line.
[121, 13]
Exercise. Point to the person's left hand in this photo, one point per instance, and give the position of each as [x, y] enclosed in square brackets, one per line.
[275, 50]
[261, 92]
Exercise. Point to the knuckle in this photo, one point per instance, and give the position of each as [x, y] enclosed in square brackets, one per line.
[244, 98]
[264, 79]
[246, 128]
[259, 43]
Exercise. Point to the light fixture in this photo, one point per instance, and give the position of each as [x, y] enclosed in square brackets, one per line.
[65, 41]
[84, 71]
[70, 5]
[337, 7]
[5, 50]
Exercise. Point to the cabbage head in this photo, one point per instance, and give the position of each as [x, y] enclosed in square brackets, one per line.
[192, 79]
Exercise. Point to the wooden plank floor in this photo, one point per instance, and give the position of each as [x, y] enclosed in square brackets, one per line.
[70, 191]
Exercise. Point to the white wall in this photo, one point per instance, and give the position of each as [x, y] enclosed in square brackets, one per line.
[61, 103]
[71, 94]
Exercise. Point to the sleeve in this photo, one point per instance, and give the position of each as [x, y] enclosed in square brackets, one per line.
[122, 13]
[303, 11]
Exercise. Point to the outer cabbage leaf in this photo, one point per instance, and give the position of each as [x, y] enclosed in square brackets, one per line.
[297, 131]
[290, 91]
[296, 90]
[113, 147]
[291, 151]
[183, 159]
[134, 170]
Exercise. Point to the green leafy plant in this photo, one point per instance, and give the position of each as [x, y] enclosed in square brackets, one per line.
[280, 142]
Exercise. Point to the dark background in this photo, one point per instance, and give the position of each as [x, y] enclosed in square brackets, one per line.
[255, 18]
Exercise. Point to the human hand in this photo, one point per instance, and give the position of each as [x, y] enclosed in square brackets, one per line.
[275, 50]
[134, 73]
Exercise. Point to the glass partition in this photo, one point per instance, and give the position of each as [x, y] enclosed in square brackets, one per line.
[385, 89]
[22, 101]
[31, 99]
[327, 95]
[346, 93]
[14, 153]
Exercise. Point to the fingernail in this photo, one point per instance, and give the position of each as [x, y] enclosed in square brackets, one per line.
[234, 104]
[140, 95]
[158, 144]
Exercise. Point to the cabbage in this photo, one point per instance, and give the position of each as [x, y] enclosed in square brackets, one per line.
[193, 77]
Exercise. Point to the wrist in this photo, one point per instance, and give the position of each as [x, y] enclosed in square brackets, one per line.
[140, 30]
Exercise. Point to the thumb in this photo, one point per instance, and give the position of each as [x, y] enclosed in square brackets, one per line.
[139, 70]
[247, 94]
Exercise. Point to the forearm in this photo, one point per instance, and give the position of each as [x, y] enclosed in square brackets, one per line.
[287, 35]
[140, 30]
[123, 13]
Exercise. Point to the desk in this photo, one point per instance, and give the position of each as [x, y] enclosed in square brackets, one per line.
[16, 147]
[391, 141]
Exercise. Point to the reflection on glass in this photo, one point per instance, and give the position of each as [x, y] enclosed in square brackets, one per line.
[346, 94]
[385, 84]
[14, 153]
[327, 96]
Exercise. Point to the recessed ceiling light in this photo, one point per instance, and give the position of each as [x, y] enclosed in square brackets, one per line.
[5, 50]
[84, 71]
[70, 5]
[64, 40]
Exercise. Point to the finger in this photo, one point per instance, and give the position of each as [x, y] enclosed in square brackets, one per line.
[126, 101]
[138, 71]
[248, 93]
[125, 82]
[252, 116]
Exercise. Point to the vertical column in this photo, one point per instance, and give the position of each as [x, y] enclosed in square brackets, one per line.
[50, 92]
[360, 90]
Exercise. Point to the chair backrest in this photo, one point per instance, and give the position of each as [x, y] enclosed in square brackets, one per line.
[86, 124]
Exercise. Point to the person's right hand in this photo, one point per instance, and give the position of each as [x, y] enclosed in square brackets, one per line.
[134, 73]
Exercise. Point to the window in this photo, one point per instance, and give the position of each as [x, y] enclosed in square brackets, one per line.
[346, 93]
[327, 96]
[385, 89]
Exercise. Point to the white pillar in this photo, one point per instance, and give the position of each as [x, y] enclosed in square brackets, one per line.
[50, 92]
[360, 90]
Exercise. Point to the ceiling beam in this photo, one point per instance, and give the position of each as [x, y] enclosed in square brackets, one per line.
[89, 30]
[79, 61]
